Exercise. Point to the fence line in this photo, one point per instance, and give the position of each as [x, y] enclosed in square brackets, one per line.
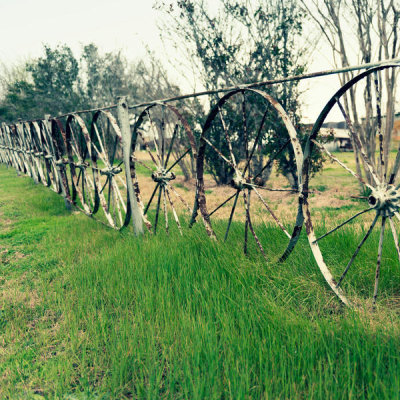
[93, 162]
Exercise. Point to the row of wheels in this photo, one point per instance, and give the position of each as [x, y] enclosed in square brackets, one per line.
[249, 143]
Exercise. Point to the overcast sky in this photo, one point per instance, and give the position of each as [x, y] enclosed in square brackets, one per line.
[119, 24]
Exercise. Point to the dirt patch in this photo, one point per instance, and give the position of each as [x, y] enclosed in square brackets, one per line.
[11, 293]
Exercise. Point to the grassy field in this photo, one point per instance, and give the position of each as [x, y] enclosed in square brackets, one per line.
[89, 313]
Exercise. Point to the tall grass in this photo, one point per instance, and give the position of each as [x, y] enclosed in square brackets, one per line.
[89, 313]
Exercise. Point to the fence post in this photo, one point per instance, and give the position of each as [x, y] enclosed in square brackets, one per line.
[123, 119]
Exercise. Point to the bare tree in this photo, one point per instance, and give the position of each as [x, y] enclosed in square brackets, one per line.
[359, 31]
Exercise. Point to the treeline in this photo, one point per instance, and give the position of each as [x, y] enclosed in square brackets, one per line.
[59, 82]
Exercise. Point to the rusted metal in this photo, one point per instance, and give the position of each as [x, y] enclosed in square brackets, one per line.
[243, 178]
[96, 168]
[76, 138]
[168, 141]
[271, 82]
[384, 197]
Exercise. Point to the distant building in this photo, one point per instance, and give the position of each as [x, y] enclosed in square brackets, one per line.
[340, 139]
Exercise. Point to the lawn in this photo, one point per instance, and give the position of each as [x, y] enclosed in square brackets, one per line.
[90, 313]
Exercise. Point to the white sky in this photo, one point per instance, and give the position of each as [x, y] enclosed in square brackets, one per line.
[119, 24]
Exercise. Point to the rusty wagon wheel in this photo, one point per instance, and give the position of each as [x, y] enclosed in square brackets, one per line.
[245, 132]
[29, 150]
[13, 148]
[346, 247]
[19, 148]
[5, 146]
[84, 193]
[106, 161]
[39, 153]
[50, 156]
[169, 150]
[4, 159]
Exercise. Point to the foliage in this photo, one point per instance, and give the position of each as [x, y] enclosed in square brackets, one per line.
[362, 31]
[58, 82]
[55, 79]
[242, 41]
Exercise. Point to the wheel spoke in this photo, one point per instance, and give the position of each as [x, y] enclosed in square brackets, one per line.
[154, 137]
[179, 196]
[231, 216]
[247, 207]
[272, 214]
[89, 191]
[395, 237]
[395, 168]
[105, 184]
[119, 195]
[79, 176]
[174, 212]
[158, 208]
[140, 203]
[274, 190]
[358, 143]
[151, 199]
[329, 154]
[379, 260]
[379, 123]
[171, 145]
[343, 224]
[163, 142]
[256, 142]
[114, 150]
[353, 257]
[218, 152]
[104, 153]
[143, 164]
[222, 204]
[245, 136]
[228, 139]
[272, 159]
[178, 159]
[165, 209]
[109, 195]
[147, 147]
[100, 154]
[122, 181]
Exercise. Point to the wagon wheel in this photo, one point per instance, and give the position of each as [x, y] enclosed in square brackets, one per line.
[24, 149]
[365, 206]
[32, 152]
[13, 147]
[50, 157]
[18, 142]
[84, 193]
[6, 150]
[19, 149]
[40, 154]
[244, 134]
[169, 149]
[3, 149]
[106, 161]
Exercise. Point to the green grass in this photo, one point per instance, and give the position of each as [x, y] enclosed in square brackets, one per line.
[89, 313]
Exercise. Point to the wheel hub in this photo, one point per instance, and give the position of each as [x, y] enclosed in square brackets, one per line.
[239, 182]
[162, 176]
[385, 199]
[111, 171]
